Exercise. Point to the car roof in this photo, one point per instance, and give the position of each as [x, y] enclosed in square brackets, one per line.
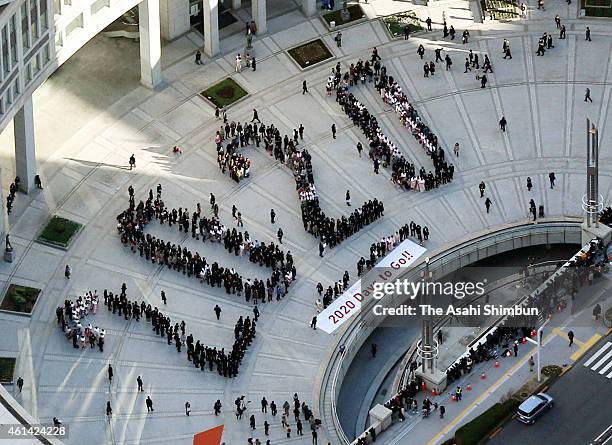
[532, 402]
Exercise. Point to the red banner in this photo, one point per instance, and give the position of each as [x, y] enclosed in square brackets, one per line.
[209, 437]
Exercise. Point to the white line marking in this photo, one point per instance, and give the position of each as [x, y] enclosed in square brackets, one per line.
[602, 361]
[597, 354]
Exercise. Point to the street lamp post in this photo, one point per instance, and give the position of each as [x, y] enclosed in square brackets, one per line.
[428, 348]
[427, 334]
[593, 201]
[538, 343]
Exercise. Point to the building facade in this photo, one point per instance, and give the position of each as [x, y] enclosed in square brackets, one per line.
[38, 36]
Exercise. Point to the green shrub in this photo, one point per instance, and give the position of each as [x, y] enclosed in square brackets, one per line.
[474, 431]
[552, 370]
[501, 9]
[19, 298]
[59, 231]
[598, 12]
[395, 23]
[224, 93]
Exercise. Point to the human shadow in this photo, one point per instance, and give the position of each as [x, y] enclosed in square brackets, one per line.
[94, 164]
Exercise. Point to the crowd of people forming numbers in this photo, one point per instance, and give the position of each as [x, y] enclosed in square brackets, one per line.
[73, 316]
[381, 149]
[331, 231]
[378, 250]
[132, 222]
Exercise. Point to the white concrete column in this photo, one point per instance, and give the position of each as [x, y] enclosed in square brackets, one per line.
[309, 7]
[150, 43]
[25, 148]
[210, 9]
[236, 4]
[476, 9]
[174, 17]
[259, 15]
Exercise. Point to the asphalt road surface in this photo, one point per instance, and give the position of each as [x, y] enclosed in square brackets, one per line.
[583, 406]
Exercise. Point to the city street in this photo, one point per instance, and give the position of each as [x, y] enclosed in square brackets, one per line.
[582, 405]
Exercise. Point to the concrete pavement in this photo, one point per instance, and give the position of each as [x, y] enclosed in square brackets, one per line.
[83, 143]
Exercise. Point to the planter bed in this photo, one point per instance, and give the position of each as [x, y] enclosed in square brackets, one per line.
[224, 93]
[310, 53]
[355, 11]
[59, 232]
[20, 299]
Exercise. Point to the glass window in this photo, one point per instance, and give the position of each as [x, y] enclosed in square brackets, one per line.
[34, 20]
[13, 28]
[9, 96]
[25, 41]
[28, 73]
[58, 39]
[45, 54]
[44, 23]
[2, 60]
[5, 50]
[1, 105]
[57, 7]
[16, 88]
[35, 65]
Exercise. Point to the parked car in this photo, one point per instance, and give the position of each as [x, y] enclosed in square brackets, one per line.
[534, 407]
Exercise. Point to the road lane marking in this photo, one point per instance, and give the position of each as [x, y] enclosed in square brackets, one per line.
[560, 333]
[599, 438]
[585, 347]
[495, 433]
[602, 361]
[597, 354]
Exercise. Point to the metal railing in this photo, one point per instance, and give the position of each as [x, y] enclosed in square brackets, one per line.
[539, 268]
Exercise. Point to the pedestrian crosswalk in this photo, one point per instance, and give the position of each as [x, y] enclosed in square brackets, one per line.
[601, 360]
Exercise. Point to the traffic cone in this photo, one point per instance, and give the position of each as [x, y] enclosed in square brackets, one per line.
[523, 340]
[483, 376]
[469, 387]
[433, 392]
[454, 398]
[496, 364]
[423, 386]
[533, 333]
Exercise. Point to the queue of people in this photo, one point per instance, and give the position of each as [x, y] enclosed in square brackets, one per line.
[72, 318]
[237, 165]
[382, 149]
[133, 221]
[331, 231]
[393, 94]
[378, 250]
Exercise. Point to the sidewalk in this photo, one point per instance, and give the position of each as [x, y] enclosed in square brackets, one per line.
[500, 383]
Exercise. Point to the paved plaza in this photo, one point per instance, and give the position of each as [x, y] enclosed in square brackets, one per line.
[90, 120]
